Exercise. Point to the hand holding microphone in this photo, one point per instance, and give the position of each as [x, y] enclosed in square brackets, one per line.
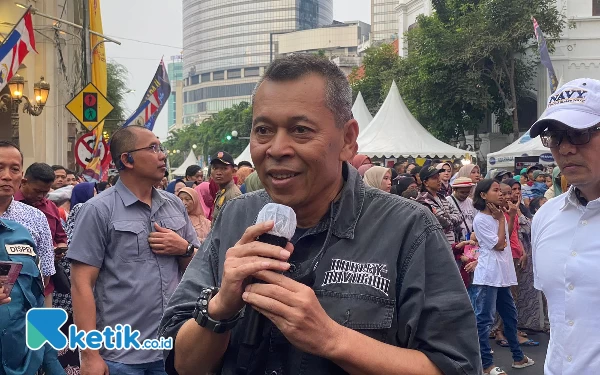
[249, 256]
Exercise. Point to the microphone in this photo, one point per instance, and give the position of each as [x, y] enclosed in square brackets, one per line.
[284, 218]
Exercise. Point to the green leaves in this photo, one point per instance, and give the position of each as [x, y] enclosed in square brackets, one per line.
[116, 89]
[211, 135]
[469, 59]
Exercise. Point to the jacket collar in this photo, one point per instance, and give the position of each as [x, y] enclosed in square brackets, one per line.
[346, 210]
[129, 198]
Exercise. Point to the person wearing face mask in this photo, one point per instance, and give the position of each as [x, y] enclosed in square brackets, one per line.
[448, 215]
[379, 178]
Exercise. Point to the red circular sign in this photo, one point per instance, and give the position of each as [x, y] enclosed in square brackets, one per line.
[89, 100]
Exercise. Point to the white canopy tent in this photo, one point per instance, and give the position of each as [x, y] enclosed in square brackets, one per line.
[524, 146]
[245, 155]
[394, 132]
[361, 113]
[190, 160]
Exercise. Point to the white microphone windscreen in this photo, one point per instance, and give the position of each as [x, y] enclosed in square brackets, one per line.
[283, 216]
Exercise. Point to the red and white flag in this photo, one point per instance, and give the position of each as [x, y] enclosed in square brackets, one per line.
[15, 47]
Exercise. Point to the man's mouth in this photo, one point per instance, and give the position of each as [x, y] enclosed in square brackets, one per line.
[282, 176]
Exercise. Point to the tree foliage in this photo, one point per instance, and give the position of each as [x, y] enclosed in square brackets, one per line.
[470, 58]
[117, 88]
[210, 136]
[380, 67]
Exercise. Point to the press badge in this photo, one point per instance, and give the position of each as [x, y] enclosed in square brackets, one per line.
[17, 249]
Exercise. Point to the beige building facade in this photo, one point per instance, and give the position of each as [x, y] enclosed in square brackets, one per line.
[50, 136]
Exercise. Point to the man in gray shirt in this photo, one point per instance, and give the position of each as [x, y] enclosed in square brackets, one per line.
[368, 284]
[129, 247]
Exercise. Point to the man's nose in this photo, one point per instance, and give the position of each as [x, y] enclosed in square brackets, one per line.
[280, 145]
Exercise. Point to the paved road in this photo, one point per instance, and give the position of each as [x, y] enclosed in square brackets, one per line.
[503, 357]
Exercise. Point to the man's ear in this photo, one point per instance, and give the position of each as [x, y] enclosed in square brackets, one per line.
[350, 147]
[23, 181]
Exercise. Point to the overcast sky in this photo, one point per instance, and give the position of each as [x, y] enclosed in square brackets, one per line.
[152, 21]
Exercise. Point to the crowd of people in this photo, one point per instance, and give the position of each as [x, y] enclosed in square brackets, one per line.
[408, 270]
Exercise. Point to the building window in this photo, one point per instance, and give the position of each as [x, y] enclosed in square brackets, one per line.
[195, 79]
[242, 89]
[219, 76]
[234, 73]
[595, 7]
[205, 77]
[251, 72]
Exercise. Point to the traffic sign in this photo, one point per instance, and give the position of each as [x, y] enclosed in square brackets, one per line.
[84, 148]
[89, 107]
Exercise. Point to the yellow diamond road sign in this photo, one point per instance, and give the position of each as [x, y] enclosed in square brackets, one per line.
[89, 107]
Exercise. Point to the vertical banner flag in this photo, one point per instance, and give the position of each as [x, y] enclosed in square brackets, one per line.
[545, 56]
[154, 100]
[19, 42]
[99, 78]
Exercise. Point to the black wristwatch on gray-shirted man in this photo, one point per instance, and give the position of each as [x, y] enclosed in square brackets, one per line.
[189, 251]
[201, 317]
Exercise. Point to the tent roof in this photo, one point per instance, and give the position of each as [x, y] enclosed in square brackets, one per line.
[524, 146]
[245, 155]
[361, 113]
[190, 160]
[394, 132]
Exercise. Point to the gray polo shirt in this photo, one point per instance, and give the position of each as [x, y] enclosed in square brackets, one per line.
[383, 268]
[134, 284]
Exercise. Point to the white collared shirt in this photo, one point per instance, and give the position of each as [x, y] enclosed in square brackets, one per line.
[566, 265]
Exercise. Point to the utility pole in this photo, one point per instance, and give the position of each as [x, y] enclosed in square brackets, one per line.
[87, 48]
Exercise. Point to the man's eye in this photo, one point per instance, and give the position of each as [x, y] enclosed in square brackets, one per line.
[301, 129]
[261, 130]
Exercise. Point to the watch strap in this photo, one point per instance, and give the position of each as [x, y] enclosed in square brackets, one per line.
[204, 320]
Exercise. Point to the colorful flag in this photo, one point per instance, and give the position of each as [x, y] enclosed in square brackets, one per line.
[93, 170]
[154, 100]
[545, 55]
[15, 47]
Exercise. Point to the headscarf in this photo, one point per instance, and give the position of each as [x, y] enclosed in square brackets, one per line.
[171, 186]
[206, 202]
[465, 170]
[360, 160]
[82, 193]
[557, 186]
[199, 221]
[374, 176]
[253, 183]
[363, 169]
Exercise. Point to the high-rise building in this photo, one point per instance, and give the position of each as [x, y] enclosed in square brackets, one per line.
[227, 45]
[175, 103]
[384, 20]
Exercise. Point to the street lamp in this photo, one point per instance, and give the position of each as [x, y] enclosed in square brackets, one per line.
[235, 134]
[194, 147]
[15, 97]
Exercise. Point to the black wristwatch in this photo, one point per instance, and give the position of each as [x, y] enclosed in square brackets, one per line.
[201, 317]
[190, 250]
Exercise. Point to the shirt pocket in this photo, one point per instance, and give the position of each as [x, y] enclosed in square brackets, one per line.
[130, 241]
[176, 224]
[368, 314]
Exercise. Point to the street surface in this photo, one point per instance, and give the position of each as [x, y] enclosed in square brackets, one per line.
[503, 357]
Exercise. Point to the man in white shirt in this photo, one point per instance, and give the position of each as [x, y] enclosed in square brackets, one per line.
[566, 246]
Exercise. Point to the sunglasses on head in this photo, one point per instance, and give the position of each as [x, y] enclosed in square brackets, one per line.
[553, 138]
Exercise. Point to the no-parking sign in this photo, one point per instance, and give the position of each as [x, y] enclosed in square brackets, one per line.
[84, 148]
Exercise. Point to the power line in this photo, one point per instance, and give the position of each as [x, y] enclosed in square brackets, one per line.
[155, 44]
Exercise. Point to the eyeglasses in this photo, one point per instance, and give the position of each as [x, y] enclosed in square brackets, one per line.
[155, 148]
[553, 138]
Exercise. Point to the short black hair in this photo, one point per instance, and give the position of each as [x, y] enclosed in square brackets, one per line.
[57, 167]
[416, 170]
[121, 141]
[245, 163]
[40, 172]
[101, 186]
[338, 93]
[9, 144]
[71, 172]
[192, 170]
[483, 186]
